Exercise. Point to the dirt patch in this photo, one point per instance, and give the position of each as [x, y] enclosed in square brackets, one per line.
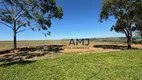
[28, 53]
[137, 46]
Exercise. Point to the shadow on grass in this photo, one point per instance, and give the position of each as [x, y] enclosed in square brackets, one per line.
[120, 47]
[16, 62]
[19, 55]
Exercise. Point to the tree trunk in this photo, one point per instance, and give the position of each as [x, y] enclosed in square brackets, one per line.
[15, 41]
[129, 42]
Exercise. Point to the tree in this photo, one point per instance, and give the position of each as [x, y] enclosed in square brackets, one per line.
[22, 15]
[127, 14]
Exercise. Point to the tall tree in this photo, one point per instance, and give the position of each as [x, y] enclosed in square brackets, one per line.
[22, 15]
[127, 14]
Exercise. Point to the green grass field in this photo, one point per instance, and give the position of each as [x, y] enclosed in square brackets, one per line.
[123, 65]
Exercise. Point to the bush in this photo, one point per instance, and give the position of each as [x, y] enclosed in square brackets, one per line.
[138, 41]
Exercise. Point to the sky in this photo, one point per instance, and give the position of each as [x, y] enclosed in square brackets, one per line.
[80, 20]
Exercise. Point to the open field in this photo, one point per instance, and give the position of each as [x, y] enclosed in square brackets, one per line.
[4, 45]
[123, 65]
[42, 49]
[36, 49]
[56, 60]
[9, 44]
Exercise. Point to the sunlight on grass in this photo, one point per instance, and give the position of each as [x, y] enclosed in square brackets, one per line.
[124, 65]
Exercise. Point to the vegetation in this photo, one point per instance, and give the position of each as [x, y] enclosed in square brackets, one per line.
[137, 37]
[17, 14]
[127, 14]
[111, 39]
[124, 65]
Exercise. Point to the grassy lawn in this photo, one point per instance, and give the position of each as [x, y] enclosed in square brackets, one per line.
[124, 65]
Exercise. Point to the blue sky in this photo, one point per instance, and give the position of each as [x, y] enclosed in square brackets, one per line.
[80, 20]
